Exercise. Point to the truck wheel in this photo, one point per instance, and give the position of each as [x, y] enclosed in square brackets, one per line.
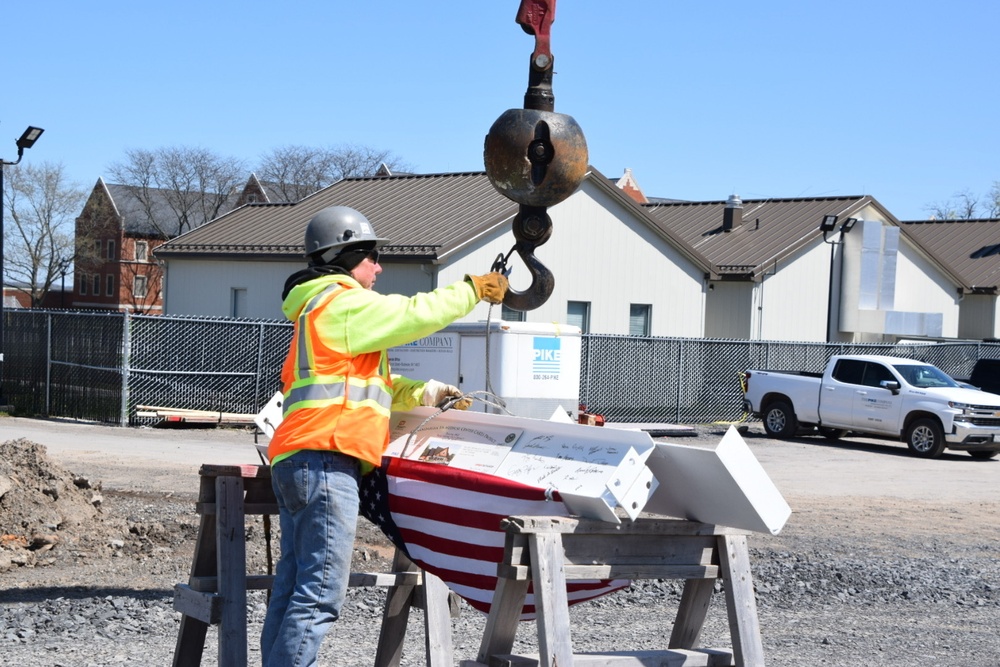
[925, 438]
[832, 433]
[983, 454]
[780, 421]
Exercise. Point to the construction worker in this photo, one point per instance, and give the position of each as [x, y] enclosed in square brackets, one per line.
[338, 393]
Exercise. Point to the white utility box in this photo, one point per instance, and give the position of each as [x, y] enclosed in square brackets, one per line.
[533, 367]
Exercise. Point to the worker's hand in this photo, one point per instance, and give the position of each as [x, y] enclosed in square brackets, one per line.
[438, 394]
[490, 287]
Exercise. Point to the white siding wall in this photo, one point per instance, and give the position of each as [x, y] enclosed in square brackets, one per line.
[728, 310]
[204, 287]
[792, 304]
[600, 253]
[922, 288]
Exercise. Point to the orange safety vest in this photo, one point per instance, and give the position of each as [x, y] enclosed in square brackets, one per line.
[333, 401]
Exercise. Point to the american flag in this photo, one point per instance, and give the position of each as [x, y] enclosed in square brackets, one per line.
[447, 521]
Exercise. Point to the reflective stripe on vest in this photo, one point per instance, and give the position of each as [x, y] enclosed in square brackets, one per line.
[334, 388]
[302, 339]
[323, 392]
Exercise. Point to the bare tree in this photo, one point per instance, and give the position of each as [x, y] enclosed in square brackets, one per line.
[178, 188]
[298, 171]
[994, 200]
[42, 207]
[966, 205]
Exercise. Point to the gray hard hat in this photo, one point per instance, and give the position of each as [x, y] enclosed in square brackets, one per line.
[335, 228]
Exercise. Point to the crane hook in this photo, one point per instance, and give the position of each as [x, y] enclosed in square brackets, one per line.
[534, 157]
[531, 227]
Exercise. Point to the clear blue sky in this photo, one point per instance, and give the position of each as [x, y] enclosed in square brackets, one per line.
[897, 99]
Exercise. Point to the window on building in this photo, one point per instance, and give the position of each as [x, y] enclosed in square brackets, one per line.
[139, 287]
[511, 315]
[141, 251]
[83, 285]
[578, 315]
[239, 302]
[638, 319]
[96, 284]
[97, 247]
[111, 249]
[109, 285]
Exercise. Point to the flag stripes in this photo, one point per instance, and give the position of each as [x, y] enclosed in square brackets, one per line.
[447, 521]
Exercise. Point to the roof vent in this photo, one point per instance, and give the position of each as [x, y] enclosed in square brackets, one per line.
[732, 215]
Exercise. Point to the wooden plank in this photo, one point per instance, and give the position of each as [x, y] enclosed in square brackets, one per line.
[192, 414]
[501, 623]
[744, 626]
[551, 603]
[576, 572]
[515, 572]
[234, 470]
[437, 622]
[231, 569]
[691, 613]
[205, 607]
[668, 658]
[385, 579]
[645, 525]
[395, 615]
[191, 635]
[259, 582]
[515, 549]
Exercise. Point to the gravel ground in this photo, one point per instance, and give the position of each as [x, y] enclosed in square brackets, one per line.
[852, 579]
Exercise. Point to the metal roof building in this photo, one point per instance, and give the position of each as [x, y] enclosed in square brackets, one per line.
[757, 269]
[609, 257]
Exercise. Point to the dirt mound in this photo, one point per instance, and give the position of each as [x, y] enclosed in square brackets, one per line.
[44, 508]
[53, 521]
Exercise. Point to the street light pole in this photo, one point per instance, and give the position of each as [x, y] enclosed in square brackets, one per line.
[26, 140]
[828, 225]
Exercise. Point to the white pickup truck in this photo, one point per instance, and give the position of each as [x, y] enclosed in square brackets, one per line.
[880, 396]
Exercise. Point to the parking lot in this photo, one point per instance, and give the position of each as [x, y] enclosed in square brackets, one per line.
[804, 467]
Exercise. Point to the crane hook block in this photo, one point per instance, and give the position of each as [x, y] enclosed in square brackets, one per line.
[535, 158]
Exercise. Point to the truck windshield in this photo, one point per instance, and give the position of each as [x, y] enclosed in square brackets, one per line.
[925, 376]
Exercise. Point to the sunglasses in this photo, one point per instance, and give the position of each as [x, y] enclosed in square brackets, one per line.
[373, 255]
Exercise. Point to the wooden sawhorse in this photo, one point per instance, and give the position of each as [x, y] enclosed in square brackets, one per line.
[547, 551]
[216, 592]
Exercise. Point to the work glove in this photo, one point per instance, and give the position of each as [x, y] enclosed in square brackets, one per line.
[438, 394]
[490, 287]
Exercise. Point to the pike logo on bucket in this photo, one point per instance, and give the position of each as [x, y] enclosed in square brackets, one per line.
[546, 358]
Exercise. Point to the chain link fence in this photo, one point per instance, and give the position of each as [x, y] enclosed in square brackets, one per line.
[107, 367]
[698, 381]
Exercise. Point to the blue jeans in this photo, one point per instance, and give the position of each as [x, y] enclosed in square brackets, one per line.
[317, 495]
